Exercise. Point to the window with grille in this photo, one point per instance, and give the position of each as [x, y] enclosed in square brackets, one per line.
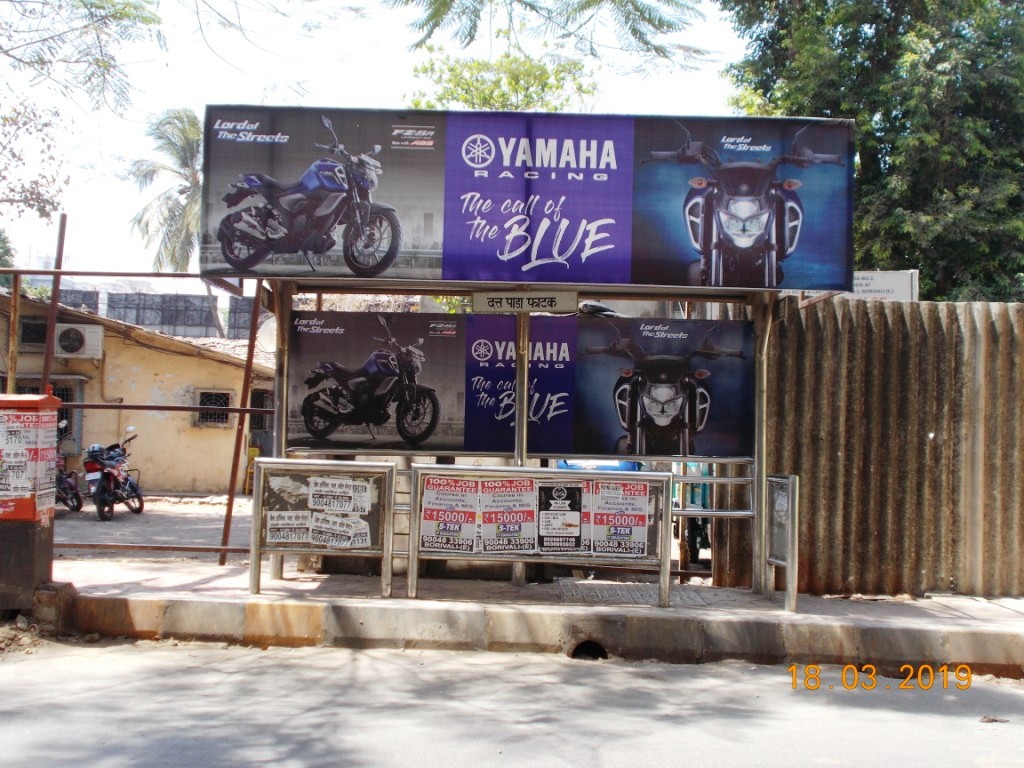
[211, 399]
[32, 333]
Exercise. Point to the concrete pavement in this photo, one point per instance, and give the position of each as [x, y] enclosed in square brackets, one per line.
[181, 595]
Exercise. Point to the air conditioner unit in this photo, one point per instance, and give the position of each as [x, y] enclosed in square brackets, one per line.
[77, 340]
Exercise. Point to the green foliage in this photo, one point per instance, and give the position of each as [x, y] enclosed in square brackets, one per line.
[26, 140]
[173, 216]
[72, 45]
[591, 27]
[511, 82]
[937, 92]
[6, 258]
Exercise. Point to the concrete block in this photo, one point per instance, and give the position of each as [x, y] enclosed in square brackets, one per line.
[987, 652]
[353, 624]
[513, 629]
[820, 643]
[52, 607]
[748, 638]
[204, 620]
[890, 647]
[118, 616]
[289, 624]
[459, 626]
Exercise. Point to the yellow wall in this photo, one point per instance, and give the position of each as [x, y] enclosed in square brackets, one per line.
[172, 452]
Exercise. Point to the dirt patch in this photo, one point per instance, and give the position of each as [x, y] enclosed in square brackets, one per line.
[20, 636]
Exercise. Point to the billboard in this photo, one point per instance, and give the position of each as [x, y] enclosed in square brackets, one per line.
[528, 197]
[446, 384]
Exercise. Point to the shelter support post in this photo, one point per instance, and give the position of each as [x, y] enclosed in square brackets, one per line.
[522, 412]
[241, 423]
[283, 312]
[763, 311]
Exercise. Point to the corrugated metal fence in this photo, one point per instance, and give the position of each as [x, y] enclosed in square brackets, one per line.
[904, 422]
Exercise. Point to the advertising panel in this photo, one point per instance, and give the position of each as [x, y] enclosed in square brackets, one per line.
[515, 197]
[598, 386]
[315, 506]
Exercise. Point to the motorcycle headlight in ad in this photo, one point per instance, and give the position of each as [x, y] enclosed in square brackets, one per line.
[365, 175]
[663, 402]
[744, 222]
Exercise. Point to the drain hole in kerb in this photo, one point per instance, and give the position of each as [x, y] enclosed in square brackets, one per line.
[588, 650]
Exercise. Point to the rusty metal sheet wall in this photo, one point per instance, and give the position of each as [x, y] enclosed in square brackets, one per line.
[904, 422]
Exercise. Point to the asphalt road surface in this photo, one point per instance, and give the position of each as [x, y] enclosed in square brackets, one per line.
[75, 703]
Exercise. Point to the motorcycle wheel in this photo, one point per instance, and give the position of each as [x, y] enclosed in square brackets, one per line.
[416, 419]
[370, 255]
[133, 497]
[104, 503]
[73, 500]
[236, 253]
[319, 423]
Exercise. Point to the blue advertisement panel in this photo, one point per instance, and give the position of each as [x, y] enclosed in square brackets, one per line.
[508, 198]
[404, 382]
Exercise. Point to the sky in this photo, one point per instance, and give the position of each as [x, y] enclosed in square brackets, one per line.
[350, 63]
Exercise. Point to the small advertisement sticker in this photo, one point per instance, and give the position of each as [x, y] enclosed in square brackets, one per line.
[449, 518]
[560, 516]
[288, 527]
[508, 515]
[620, 516]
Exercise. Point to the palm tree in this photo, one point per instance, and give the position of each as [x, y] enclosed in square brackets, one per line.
[173, 216]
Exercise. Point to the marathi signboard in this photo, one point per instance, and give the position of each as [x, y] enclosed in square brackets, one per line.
[446, 384]
[526, 197]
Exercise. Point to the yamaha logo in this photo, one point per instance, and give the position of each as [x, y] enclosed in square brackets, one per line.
[538, 157]
[478, 151]
[482, 350]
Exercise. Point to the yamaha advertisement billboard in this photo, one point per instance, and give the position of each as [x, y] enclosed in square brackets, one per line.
[446, 384]
[528, 197]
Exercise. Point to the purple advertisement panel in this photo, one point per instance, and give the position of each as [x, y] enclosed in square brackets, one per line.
[491, 384]
[446, 384]
[544, 198]
[376, 382]
[508, 198]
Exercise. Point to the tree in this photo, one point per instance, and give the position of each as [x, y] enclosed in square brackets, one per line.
[26, 132]
[937, 93]
[72, 45]
[6, 258]
[592, 27]
[511, 82]
[172, 218]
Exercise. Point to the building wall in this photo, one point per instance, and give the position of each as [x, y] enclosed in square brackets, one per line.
[173, 452]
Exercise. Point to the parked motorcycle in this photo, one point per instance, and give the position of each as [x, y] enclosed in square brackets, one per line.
[66, 483]
[741, 219]
[110, 480]
[660, 400]
[302, 217]
[365, 396]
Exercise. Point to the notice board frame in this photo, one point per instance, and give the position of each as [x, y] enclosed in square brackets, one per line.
[381, 509]
[660, 504]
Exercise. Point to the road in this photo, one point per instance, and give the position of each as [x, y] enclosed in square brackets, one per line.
[75, 703]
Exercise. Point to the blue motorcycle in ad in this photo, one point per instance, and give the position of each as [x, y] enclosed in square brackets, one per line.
[303, 217]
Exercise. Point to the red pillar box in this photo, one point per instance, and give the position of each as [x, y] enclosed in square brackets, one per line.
[28, 455]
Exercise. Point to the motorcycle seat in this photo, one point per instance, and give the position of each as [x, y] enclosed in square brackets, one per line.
[271, 183]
